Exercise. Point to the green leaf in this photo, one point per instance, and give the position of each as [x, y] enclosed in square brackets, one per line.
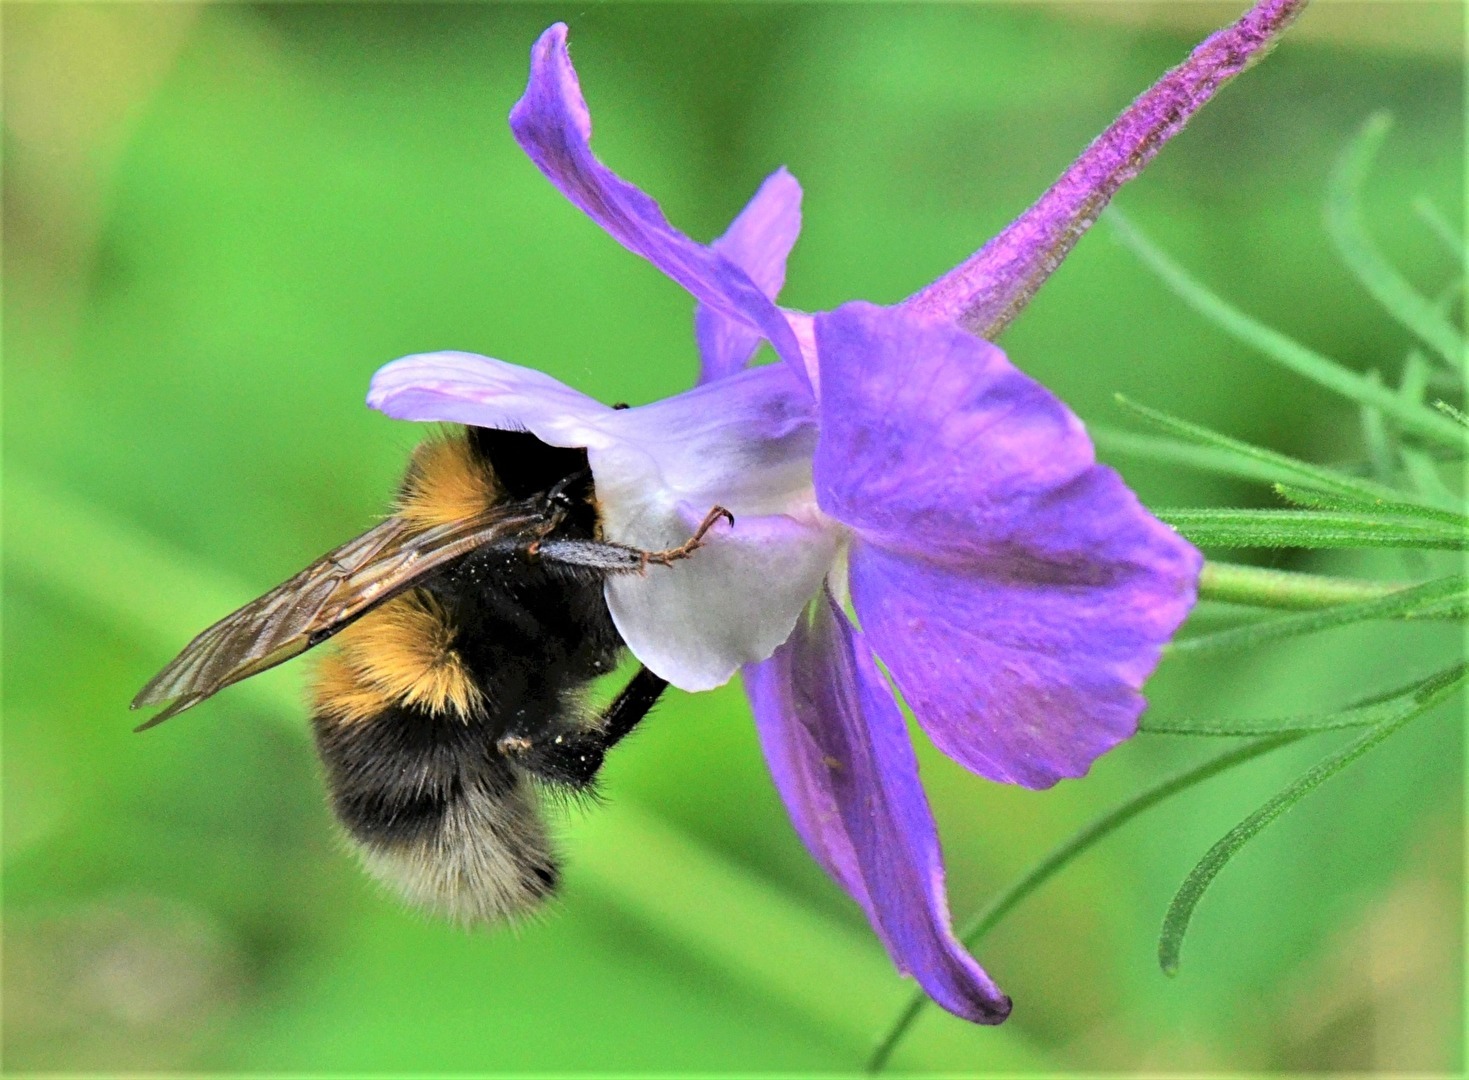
[1423, 474]
[1440, 598]
[1382, 445]
[1378, 276]
[1281, 349]
[1176, 452]
[1378, 709]
[1457, 415]
[1260, 586]
[1279, 468]
[1060, 857]
[1180, 912]
[1309, 529]
[78, 550]
[1422, 471]
[1413, 382]
[1439, 225]
[1323, 500]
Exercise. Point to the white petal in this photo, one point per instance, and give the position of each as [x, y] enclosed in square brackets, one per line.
[733, 601]
[464, 388]
[744, 443]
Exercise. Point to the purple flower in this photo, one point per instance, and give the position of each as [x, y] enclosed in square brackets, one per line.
[895, 463]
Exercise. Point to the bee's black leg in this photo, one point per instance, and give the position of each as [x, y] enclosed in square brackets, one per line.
[573, 759]
[637, 698]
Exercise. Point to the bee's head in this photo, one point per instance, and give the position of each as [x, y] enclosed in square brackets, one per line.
[526, 467]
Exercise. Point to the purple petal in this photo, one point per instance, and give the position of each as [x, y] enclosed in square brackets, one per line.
[725, 345]
[760, 239]
[928, 433]
[988, 290]
[552, 125]
[1026, 665]
[758, 242]
[839, 753]
[1017, 591]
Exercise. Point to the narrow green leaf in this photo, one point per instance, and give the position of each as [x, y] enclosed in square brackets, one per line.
[1422, 471]
[1323, 500]
[1281, 468]
[1413, 382]
[1059, 857]
[1402, 604]
[1440, 227]
[746, 932]
[1423, 474]
[1377, 709]
[1181, 910]
[107, 565]
[1380, 442]
[1281, 349]
[1458, 416]
[1309, 529]
[1259, 586]
[1353, 243]
[1176, 452]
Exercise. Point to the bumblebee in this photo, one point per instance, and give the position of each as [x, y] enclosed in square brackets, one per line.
[468, 624]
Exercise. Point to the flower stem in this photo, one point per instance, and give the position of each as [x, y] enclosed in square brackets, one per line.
[987, 291]
[1259, 587]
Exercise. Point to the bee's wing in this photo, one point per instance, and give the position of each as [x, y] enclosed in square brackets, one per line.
[312, 606]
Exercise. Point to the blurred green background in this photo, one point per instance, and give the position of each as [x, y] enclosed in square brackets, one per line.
[220, 220]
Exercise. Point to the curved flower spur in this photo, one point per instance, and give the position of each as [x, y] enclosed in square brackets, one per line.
[1016, 591]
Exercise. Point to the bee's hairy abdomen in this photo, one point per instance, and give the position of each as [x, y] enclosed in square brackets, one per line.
[442, 711]
[401, 653]
[436, 811]
[488, 857]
